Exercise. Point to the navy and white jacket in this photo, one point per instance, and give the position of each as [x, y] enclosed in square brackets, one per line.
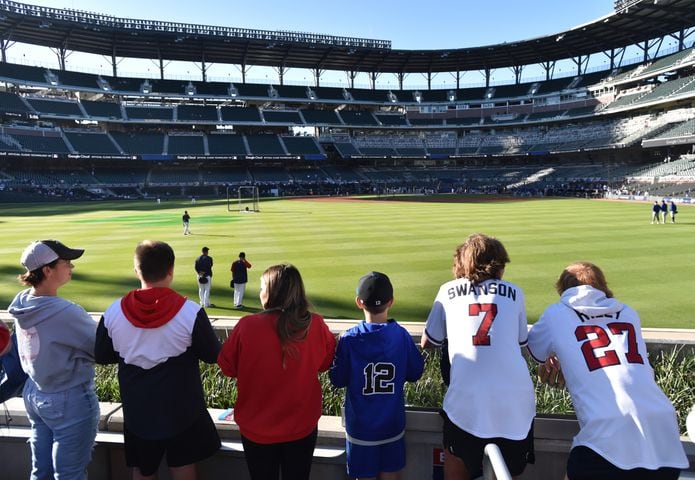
[157, 338]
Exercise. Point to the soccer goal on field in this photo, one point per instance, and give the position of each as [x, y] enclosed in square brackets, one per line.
[242, 199]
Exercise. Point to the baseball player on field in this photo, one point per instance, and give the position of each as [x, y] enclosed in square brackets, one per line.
[490, 398]
[628, 427]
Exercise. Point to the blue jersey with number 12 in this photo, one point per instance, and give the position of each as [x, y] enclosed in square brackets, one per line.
[374, 360]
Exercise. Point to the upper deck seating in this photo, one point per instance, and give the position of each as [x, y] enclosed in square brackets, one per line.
[95, 143]
[150, 113]
[252, 90]
[346, 149]
[220, 89]
[124, 84]
[553, 85]
[358, 117]
[265, 145]
[140, 143]
[51, 107]
[174, 87]
[668, 62]
[329, 93]
[392, 120]
[186, 145]
[23, 74]
[226, 144]
[77, 79]
[367, 95]
[284, 117]
[301, 145]
[12, 103]
[426, 121]
[292, 91]
[320, 117]
[240, 114]
[41, 141]
[512, 91]
[103, 109]
[197, 113]
[475, 93]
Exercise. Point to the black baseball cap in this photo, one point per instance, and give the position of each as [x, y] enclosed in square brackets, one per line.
[205, 249]
[43, 252]
[375, 289]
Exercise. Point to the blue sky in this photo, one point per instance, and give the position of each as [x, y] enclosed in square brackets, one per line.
[408, 24]
[438, 24]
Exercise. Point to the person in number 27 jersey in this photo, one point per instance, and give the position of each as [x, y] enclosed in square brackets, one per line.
[490, 398]
[628, 427]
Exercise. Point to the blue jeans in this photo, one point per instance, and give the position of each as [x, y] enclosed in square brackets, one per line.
[63, 429]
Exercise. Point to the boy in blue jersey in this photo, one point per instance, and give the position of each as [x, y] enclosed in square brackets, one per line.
[374, 359]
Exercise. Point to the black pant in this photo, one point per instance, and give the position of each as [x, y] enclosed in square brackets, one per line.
[585, 464]
[293, 459]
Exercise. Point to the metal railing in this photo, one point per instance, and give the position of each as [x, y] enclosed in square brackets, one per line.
[494, 467]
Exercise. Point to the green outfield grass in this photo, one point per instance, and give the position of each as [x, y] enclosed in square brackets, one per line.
[333, 243]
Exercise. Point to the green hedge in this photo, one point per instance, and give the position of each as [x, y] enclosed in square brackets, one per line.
[675, 374]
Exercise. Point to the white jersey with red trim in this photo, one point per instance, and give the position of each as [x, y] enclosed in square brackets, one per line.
[623, 414]
[490, 393]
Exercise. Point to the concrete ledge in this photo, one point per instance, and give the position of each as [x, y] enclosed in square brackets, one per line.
[553, 438]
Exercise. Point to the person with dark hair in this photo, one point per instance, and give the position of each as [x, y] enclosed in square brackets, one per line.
[483, 318]
[186, 220]
[373, 361]
[664, 211]
[628, 427]
[276, 356]
[203, 268]
[240, 278]
[158, 337]
[55, 340]
[674, 211]
[656, 210]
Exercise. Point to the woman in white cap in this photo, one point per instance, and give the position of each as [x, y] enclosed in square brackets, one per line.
[56, 346]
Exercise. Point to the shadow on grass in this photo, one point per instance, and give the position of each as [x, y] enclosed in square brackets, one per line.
[48, 209]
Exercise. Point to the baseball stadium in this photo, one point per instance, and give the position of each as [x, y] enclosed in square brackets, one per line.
[585, 154]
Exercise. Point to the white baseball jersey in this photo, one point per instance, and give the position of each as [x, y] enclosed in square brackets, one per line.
[490, 393]
[623, 414]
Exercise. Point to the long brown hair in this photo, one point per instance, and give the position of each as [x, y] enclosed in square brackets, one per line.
[286, 294]
[583, 273]
[480, 258]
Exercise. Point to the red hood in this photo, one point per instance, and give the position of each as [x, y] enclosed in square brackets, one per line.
[151, 307]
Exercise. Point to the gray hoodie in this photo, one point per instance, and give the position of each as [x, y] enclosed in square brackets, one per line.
[56, 339]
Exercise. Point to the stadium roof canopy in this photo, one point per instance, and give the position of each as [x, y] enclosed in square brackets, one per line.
[74, 30]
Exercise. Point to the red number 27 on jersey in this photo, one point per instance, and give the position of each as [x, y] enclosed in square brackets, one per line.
[601, 340]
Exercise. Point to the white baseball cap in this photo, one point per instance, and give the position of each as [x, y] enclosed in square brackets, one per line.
[43, 252]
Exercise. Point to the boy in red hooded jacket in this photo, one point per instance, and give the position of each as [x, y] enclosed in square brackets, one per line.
[157, 338]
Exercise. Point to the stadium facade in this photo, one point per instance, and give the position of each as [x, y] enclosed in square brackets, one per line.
[629, 128]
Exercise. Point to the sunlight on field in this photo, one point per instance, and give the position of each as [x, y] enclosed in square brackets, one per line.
[335, 241]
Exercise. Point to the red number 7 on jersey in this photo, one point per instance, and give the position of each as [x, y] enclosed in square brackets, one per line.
[482, 336]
